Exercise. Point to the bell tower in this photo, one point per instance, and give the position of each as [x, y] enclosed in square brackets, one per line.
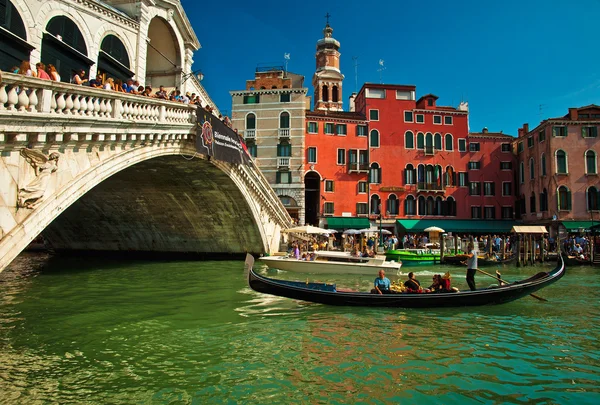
[327, 80]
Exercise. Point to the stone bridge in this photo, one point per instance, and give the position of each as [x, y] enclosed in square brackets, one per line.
[97, 170]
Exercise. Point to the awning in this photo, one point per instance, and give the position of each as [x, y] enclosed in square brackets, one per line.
[347, 222]
[458, 225]
[579, 226]
[529, 229]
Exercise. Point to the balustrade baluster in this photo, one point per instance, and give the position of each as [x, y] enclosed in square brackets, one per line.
[109, 108]
[69, 104]
[90, 106]
[61, 103]
[3, 96]
[33, 100]
[13, 98]
[102, 108]
[96, 106]
[53, 102]
[76, 104]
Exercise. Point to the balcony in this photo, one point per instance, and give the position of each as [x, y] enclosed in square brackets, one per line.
[284, 132]
[423, 186]
[358, 167]
[429, 151]
[283, 162]
[250, 134]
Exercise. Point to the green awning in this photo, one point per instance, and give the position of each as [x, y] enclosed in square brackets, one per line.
[458, 225]
[579, 226]
[347, 223]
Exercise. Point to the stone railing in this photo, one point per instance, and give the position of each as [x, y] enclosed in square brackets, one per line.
[27, 96]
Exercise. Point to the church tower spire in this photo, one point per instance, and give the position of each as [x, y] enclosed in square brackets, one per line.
[327, 80]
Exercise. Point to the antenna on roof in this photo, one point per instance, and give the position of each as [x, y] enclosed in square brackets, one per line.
[286, 56]
[355, 59]
[541, 109]
[380, 70]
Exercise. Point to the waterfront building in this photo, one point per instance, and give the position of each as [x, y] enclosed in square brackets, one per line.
[557, 173]
[270, 115]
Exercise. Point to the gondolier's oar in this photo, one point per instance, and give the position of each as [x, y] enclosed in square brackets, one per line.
[506, 282]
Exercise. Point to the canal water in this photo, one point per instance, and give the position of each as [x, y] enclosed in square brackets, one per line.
[90, 331]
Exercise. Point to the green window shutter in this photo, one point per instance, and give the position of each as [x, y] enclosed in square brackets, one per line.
[553, 131]
[278, 177]
[584, 132]
[569, 200]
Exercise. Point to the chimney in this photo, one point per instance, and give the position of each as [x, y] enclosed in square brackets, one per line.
[351, 99]
[525, 129]
[573, 113]
[484, 130]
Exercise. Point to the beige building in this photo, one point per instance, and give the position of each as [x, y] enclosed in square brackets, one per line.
[270, 115]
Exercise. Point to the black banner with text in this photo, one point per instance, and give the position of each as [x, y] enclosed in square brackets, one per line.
[217, 140]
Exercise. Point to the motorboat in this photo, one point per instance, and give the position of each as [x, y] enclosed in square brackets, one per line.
[414, 257]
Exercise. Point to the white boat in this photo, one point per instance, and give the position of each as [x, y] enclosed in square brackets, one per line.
[332, 263]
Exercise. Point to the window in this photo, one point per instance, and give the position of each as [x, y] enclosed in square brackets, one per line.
[507, 213]
[340, 129]
[328, 208]
[544, 200]
[409, 174]
[312, 155]
[474, 147]
[329, 128]
[361, 130]
[474, 165]
[564, 199]
[590, 162]
[542, 135]
[520, 147]
[543, 164]
[474, 188]
[530, 142]
[393, 205]
[430, 102]
[449, 144]
[408, 116]
[559, 131]
[375, 204]
[463, 179]
[283, 177]
[374, 93]
[375, 174]
[409, 140]
[405, 95]
[362, 209]
[506, 188]
[284, 120]
[489, 212]
[252, 99]
[489, 188]
[451, 207]
[313, 127]
[521, 172]
[420, 141]
[329, 186]
[250, 121]
[531, 169]
[476, 212]
[437, 119]
[284, 150]
[420, 118]
[437, 141]
[284, 97]
[374, 115]
[505, 165]
[561, 162]
[362, 187]
[341, 156]
[532, 204]
[589, 132]
[410, 206]
[448, 120]
[374, 139]
[462, 145]
[252, 149]
[505, 147]
[593, 199]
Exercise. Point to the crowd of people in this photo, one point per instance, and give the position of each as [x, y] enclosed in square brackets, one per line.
[440, 284]
[578, 246]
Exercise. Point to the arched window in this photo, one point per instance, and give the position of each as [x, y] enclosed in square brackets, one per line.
[544, 200]
[437, 141]
[273, 87]
[561, 162]
[375, 204]
[421, 173]
[14, 52]
[409, 174]
[451, 203]
[428, 140]
[543, 164]
[284, 149]
[449, 142]
[251, 121]
[522, 172]
[68, 54]
[420, 140]
[429, 206]
[325, 93]
[564, 199]
[113, 59]
[334, 94]
[531, 169]
[437, 176]
[374, 138]
[590, 162]
[593, 199]
[410, 206]
[421, 205]
[438, 206]
[392, 205]
[450, 176]
[284, 120]
[375, 174]
[409, 140]
[429, 175]
[532, 203]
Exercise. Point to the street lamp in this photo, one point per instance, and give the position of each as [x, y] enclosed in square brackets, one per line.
[197, 73]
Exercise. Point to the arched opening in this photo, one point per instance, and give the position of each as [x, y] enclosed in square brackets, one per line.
[64, 47]
[590, 162]
[421, 205]
[392, 205]
[437, 142]
[290, 205]
[375, 208]
[251, 121]
[451, 206]
[429, 206]
[410, 207]
[13, 48]
[409, 174]
[312, 197]
[113, 60]
[449, 142]
[564, 199]
[374, 139]
[450, 176]
[325, 93]
[421, 173]
[334, 94]
[544, 200]
[561, 162]
[531, 169]
[284, 120]
[163, 59]
[438, 206]
[428, 140]
[532, 204]
[409, 140]
[375, 174]
[593, 199]
[420, 140]
[543, 164]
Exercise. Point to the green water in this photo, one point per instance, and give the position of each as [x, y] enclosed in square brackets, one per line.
[90, 331]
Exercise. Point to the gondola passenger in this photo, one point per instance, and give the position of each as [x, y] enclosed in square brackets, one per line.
[382, 284]
[412, 284]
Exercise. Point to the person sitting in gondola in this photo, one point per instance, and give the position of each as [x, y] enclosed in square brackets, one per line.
[412, 284]
[382, 284]
[436, 286]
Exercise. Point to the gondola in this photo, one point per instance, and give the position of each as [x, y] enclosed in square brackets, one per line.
[458, 260]
[327, 293]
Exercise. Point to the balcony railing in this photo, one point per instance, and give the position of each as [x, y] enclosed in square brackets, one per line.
[283, 162]
[284, 132]
[250, 134]
[358, 167]
[423, 186]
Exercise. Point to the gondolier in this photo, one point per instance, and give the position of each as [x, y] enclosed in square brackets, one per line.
[471, 266]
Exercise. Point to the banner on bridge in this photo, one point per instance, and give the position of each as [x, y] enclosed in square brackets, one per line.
[217, 140]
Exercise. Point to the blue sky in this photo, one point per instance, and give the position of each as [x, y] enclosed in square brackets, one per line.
[505, 58]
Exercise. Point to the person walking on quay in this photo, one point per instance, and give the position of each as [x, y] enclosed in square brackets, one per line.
[471, 266]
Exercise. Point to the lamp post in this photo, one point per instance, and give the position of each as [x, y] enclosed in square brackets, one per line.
[197, 73]
[380, 225]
